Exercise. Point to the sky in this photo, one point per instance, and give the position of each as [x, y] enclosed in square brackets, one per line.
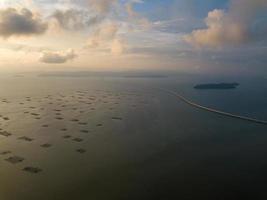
[208, 36]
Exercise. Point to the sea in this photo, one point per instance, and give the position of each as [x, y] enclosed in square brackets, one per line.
[116, 137]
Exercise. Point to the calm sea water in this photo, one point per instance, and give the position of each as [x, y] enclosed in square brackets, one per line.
[137, 142]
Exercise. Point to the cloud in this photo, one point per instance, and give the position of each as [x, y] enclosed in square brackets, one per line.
[57, 57]
[70, 19]
[73, 19]
[135, 17]
[129, 8]
[22, 22]
[108, 32]
[240, 24]
[103, 34]
[106, 37]
[118, 47]
[78, 18]
[102, 6]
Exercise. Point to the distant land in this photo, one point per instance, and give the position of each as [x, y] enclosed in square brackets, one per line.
[216, 86]
[103, 74]
[146, 76]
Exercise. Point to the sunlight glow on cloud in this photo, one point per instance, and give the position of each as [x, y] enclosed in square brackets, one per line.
[229, 28]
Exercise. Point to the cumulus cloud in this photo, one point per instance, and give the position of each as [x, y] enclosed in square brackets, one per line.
[50, 57]
[236, 26]
[22, 22]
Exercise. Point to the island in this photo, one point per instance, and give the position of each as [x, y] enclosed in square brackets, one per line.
[216, 86]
